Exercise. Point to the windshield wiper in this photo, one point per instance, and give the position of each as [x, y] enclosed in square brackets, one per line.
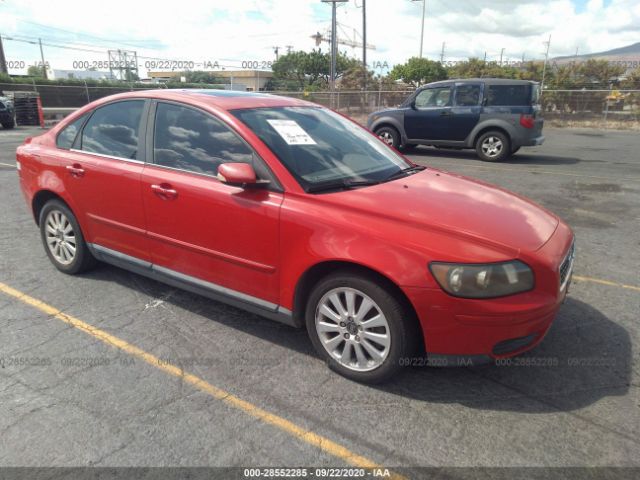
[345, 184]
[404, 172]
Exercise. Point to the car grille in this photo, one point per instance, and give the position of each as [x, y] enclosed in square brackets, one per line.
[566, 266]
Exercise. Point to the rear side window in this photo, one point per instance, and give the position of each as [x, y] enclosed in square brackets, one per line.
[467, 95]
[113, 129]
[509, 95]
[68, 134]
[187, 139]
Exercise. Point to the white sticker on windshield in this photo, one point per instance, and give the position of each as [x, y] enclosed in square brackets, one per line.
[291, 132]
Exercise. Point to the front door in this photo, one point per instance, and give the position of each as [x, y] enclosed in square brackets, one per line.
[199, 226]
[428, 118]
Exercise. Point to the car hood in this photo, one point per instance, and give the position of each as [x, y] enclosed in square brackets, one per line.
[458, 205]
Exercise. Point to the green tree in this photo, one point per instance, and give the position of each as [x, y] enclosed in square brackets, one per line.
[357, 78]
[476, 68]
[200, 76]
[35, 71]
[309, 69]
[417, 71]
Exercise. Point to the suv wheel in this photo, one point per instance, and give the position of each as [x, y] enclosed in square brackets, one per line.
[359, 328]
[63, 241]
[389, 135]
[9, 125]
[493, 146]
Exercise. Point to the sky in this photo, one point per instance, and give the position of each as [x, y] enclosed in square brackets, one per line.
[233, 34]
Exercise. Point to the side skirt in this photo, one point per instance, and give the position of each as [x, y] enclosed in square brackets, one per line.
[195, 285]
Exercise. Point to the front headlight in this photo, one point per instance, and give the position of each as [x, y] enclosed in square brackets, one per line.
[483, 281]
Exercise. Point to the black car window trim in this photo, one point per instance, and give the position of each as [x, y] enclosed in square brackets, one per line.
[449, 104]
[464, 84]
[273, 185]
[84, 117]
[142, 128]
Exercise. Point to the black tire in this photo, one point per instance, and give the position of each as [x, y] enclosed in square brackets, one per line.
[403, 331]
[408, 147]
[389, 135]
[9, 125]
[82, 260]
[500, 141]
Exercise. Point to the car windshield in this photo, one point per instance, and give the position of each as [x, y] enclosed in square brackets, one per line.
[323, 149]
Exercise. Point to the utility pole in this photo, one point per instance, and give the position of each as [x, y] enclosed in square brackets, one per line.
[44, 65]
[544, 67]
[424, 7]
[334, 45]
[501, 53]
[442, 53]
[364, 44]
[275, 50]
[3, 61]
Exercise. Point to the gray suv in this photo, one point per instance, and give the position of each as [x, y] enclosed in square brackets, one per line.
[493, 116]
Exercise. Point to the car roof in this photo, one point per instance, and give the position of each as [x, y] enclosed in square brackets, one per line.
[491, 81]
[223, 99]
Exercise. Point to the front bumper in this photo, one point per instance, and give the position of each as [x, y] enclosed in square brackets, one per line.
[499, 327]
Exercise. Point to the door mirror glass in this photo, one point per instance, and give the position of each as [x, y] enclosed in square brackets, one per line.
[238, 174]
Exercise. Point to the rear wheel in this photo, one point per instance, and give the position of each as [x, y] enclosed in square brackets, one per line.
[359, 327]
[9, 125]
[389, 135]
[493, 146]
[63, 240]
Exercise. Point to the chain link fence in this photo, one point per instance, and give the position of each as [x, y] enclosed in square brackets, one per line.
[593, 107]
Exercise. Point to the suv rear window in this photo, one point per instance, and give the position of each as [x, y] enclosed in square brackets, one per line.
[509, 95]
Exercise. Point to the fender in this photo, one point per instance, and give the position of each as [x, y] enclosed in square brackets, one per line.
[395, 119]
[483, 125]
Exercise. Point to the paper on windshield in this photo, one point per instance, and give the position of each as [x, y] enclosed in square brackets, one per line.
[291, 132]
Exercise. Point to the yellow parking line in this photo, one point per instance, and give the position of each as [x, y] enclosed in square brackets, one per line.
[605, 282]
[291, 428]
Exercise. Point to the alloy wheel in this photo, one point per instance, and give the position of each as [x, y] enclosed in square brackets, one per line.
[353, 329]
[492, 146]
[60, 237]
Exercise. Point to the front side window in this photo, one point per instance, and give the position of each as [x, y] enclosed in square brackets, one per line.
[68, 134]
[113, 129]
[320, 147]
[467, 95]
[187, 139]
[434, 97]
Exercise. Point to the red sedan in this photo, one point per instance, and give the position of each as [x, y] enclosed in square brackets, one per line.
[291, 211]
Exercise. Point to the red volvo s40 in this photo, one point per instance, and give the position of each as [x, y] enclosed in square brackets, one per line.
[294, 212]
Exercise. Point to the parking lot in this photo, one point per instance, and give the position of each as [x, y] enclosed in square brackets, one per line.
[114, 369]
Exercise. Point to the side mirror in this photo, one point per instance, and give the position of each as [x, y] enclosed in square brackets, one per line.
[413, 104]
[237, 174]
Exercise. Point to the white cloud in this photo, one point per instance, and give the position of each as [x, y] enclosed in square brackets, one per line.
[232, 32]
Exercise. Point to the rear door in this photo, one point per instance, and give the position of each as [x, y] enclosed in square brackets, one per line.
[465, 113]
[199, 226]
[428, 119]
[102, 171]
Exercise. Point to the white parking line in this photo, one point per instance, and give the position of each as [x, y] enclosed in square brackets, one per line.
[8, 165]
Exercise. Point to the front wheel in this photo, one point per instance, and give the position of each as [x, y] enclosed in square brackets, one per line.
[389, 135]
[360, 328]
[63, 241]
[9, 125]
[493, 146]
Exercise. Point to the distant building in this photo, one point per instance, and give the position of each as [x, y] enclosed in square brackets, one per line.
[244, 80]
[81, 75]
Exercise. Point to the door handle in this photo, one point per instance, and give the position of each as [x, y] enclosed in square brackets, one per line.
[164, 191]
[445, 113]
[75, 170]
